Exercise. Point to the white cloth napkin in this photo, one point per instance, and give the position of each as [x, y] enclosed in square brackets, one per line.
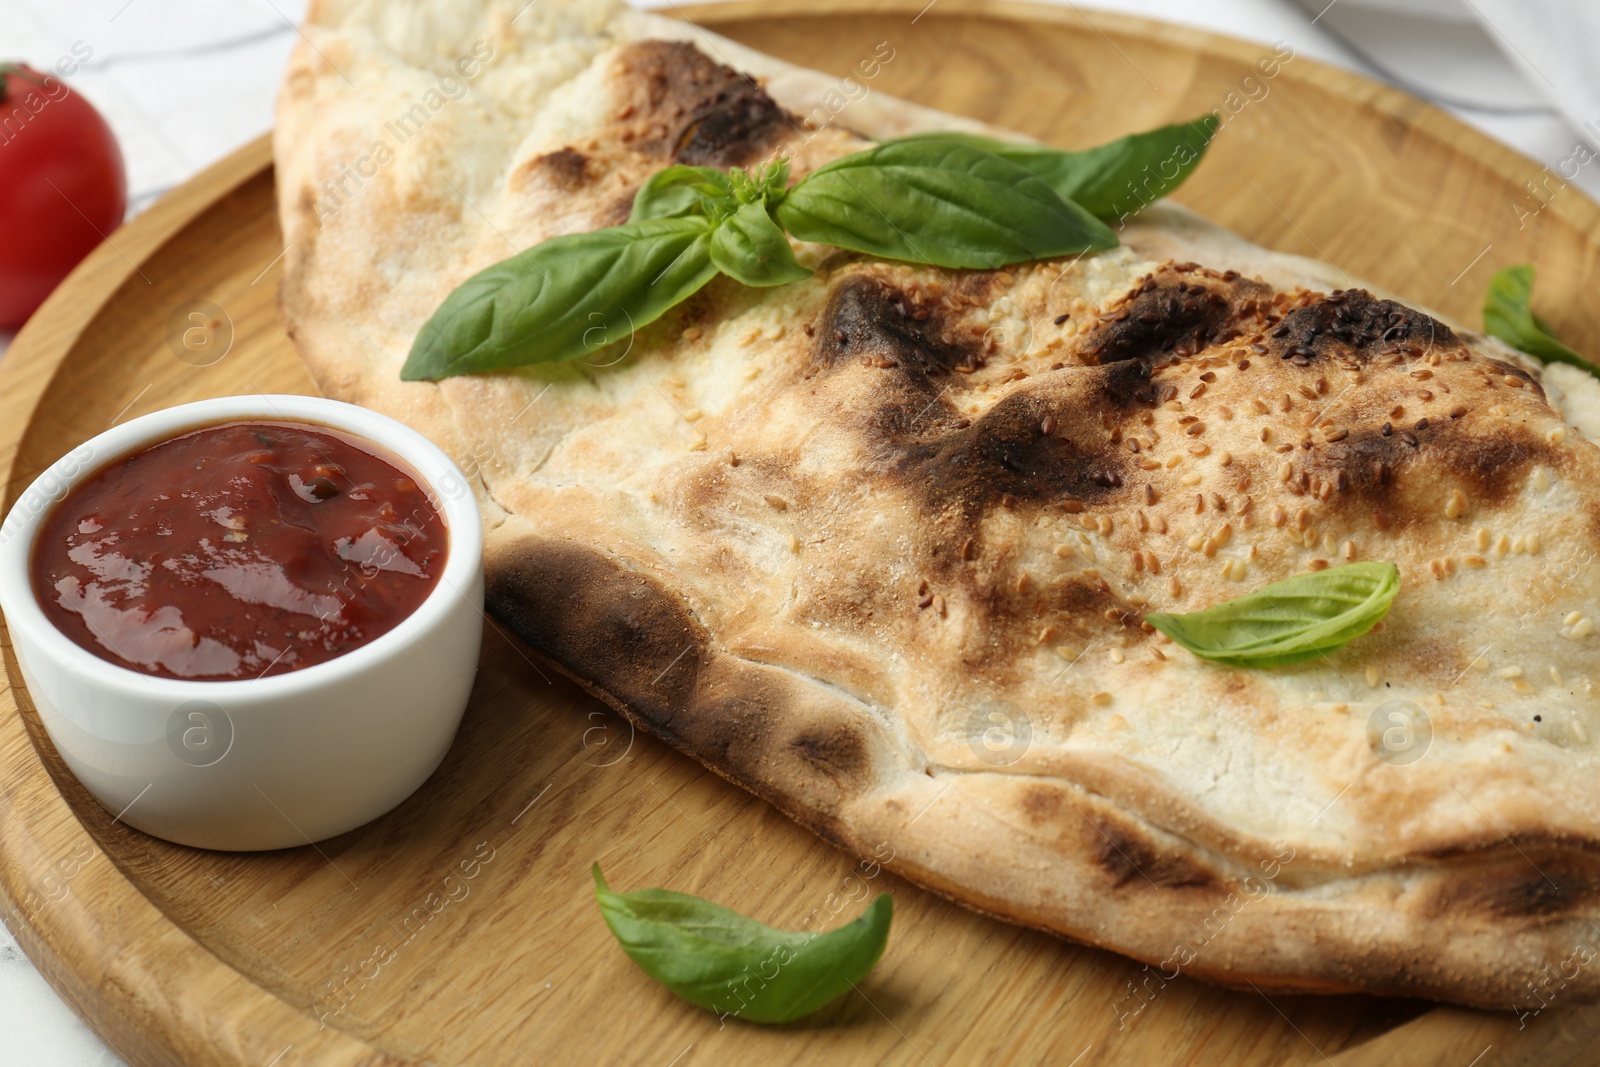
[1556, 44]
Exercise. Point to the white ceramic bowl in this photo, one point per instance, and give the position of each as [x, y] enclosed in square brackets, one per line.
[277, 761]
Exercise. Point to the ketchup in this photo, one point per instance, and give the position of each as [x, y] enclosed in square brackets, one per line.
[238, 551]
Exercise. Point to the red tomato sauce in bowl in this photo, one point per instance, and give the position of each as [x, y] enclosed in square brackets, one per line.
[238, 551]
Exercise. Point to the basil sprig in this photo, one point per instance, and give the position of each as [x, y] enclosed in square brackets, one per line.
[1112, 180]
[722, 961]
[950, 200]
[939, 202]
[1290, 621]
[1508, 315]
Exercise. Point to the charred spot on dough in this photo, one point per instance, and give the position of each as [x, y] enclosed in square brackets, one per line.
[868, 321]
[1365, 463]
[1353, 321]
[978, 287]
[1085, 603]
[1491, 468]
[833, 749]
[905, 414]
[1511, 886]
[1018, 451]
[684, 106]
[1081, 608]
[1372, 467]
[1078, 604]
[737, 726]
[1130, 380]
[767, 731]
[1042, 803]
[1178, 309]
[617, 628]
[1128, 854]
[566, 169]
[616, 212]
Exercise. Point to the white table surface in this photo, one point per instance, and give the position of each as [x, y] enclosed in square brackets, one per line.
[184, 83]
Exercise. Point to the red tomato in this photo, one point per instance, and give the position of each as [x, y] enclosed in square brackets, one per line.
[62, 186]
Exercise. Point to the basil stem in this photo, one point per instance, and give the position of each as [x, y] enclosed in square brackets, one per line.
[1113, 180]
[722, 961]
[1508, 315]
[1290, 621]
[564, 298]
[932, 201]
[770, 186]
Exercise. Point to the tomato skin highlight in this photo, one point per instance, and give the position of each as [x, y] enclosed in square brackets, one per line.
[63, 187]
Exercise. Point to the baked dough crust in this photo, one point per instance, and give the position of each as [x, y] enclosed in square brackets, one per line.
[877, 546]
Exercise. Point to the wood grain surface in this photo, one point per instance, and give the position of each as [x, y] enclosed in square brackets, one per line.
[461, 929]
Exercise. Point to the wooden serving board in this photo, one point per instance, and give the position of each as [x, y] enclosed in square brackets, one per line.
[461, 929]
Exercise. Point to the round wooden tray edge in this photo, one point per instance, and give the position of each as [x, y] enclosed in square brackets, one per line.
[1418, 114]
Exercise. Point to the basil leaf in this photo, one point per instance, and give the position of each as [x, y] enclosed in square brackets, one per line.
[748, 247]
[722, 961]
[681, 190]
[564, 298]
[1508, 315]
[931, 201]
[1113, 180]
[1290, 621]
